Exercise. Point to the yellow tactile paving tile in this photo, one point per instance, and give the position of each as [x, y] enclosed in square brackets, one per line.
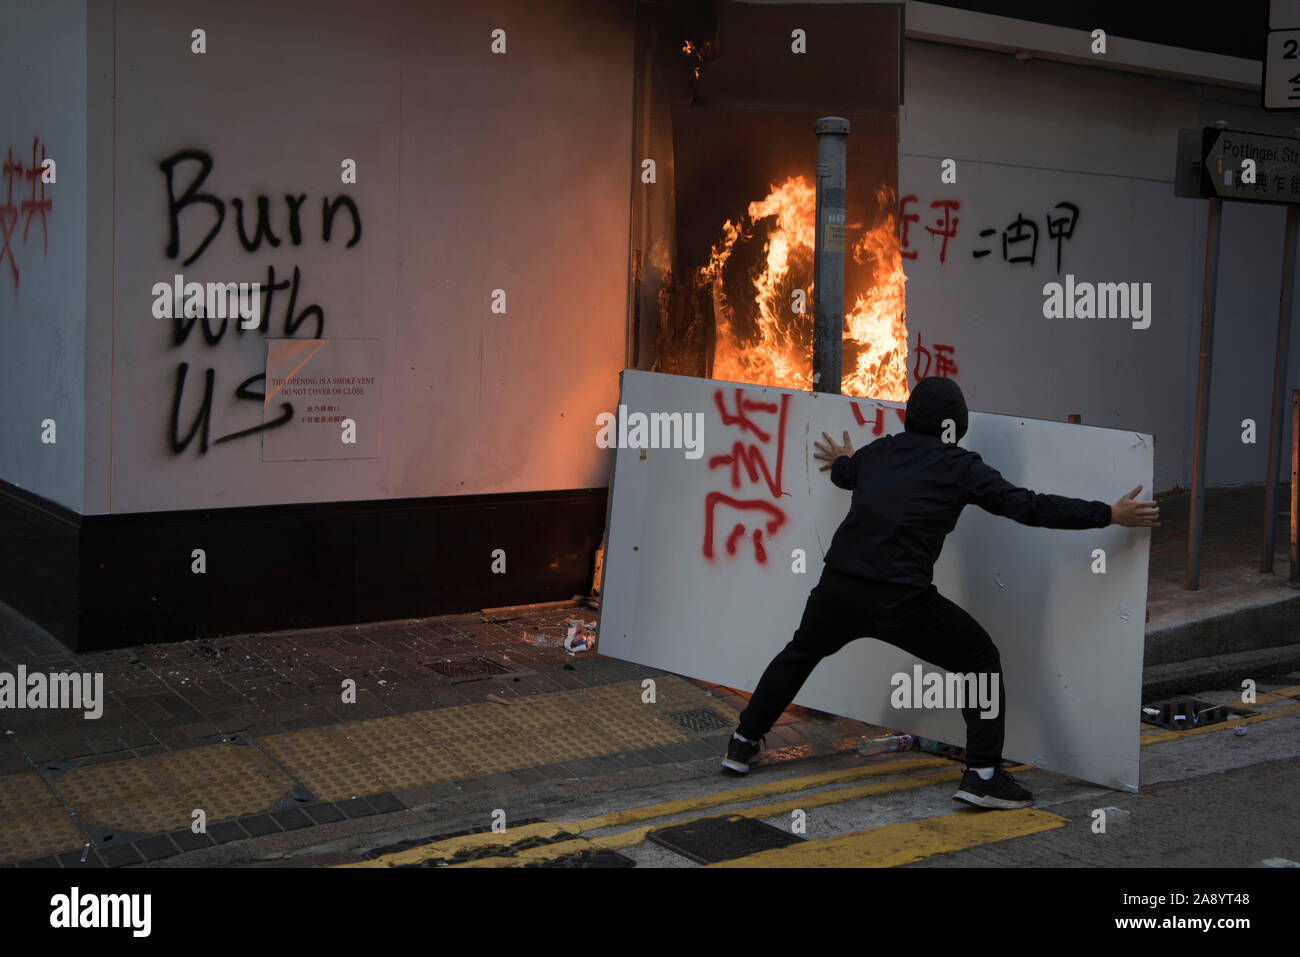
[897, 844]
[487, 719]
[24, 837]
[419, 767]
[221, 800]
[378, 735]
[494, 755]
[251, 785]
[331, 771]
[24, 793]
[146, 813]
[160, 792]
[191, 767]
[110, 784]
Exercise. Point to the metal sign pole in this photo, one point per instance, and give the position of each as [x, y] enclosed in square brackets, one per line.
[1208, 293]
[1278, 411]
[828, 253]
[1295, 479]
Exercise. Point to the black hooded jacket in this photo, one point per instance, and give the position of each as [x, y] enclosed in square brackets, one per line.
[909, 490]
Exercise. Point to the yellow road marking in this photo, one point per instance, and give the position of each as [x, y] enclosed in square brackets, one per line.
[449, 846]
[1278, 693]
[895, 844]
[466, 842]
[637, 835]
[1268, 715]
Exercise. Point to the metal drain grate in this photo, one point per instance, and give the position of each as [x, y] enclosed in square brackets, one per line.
[1181, 714]
[699, 720]
[467, 668]
[715, 839]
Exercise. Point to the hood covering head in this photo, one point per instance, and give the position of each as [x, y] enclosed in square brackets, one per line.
[932, 401]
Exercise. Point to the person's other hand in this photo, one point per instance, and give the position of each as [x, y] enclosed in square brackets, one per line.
[829, 452]
[1134, 514]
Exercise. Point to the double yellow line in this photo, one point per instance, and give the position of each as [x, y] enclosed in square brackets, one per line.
[887, 846]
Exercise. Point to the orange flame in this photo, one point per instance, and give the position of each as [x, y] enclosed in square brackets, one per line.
[764, 340]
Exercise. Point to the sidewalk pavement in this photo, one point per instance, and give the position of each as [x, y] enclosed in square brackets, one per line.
[453, 717]
[1241, 622]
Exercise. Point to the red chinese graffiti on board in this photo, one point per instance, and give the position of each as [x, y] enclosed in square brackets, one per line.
[755, 479]
[938, 363]
[37, 204]
[878, 426]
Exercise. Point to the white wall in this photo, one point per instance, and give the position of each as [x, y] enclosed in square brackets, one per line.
[475, 172]
[1028, 135]
[42, 311]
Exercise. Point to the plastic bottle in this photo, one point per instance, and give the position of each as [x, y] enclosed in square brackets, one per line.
[894, 742]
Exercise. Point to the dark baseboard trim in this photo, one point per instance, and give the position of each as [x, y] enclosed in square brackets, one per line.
[108, 581]
[39, 554]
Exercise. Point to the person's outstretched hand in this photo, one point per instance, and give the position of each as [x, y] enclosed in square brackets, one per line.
[829, 452]
[1134, 514]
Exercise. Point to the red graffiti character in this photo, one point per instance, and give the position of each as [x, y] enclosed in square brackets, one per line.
[9, 214]
[750, 461]
[37, 206]
[947, 223]
[878, 426]
[944, 367]
[906, 219]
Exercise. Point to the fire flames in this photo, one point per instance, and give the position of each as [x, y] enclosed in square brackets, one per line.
[762, 339]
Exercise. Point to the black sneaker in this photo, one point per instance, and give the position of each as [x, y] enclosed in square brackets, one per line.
[1000, 792]
[740, 752]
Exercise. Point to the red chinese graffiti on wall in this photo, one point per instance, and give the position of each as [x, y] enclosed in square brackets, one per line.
[38, 204]
[749, 461]
[940, 359]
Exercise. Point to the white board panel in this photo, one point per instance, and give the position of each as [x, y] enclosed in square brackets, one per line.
[1071, 640]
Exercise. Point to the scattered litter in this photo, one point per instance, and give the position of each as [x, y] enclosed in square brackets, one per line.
[85, 849]
[498, 700]
[999, 581]
[893, 742]
[1278, 862]
[1239, 731]
[580, 635]
[1154, 712]
[543, 641]
[1117, 815]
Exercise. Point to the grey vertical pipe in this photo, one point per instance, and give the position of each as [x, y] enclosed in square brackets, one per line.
[828, 253]
[1278, 411]
[1208, 293]
[1295, 482]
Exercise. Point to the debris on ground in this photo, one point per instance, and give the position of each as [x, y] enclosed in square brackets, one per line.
[543, 641]
[579, 636]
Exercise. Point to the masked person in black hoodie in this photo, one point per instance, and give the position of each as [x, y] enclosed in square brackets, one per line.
[908, 492]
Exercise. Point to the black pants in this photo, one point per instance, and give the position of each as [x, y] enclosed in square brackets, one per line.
[920, 621]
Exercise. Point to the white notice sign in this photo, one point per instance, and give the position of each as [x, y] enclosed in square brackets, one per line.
[326, 394]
